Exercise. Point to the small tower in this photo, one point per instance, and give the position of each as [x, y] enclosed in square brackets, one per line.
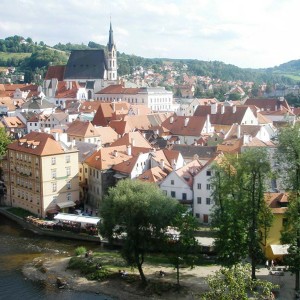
[112, 57]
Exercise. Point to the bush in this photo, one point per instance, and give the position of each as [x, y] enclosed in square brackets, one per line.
[80, 250]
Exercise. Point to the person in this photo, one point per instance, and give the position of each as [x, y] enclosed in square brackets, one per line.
[162, 273]
[272, 263]
[98, 266]
[267, 264]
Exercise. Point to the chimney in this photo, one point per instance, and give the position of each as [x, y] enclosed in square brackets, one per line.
[222, 109]
[115, 153]
[129, 150]
[162, 163]
[132, 142]
[214, 108]
[186, 121]
[114, 106]
[171, 120]
[173, 164]
[238, 134]
[234, 109]
[99, 144]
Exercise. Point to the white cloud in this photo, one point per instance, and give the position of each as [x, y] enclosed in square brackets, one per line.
[245, 33]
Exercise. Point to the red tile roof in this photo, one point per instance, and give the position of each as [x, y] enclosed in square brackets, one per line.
[185, 126]
[118, 89]
[37, 143]
[55, 72]
[231, 115]
[268, 104]
[132, 138]
[82, 129]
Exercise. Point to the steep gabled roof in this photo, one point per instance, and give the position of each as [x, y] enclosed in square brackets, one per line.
[187, 172]
[189, 151]
[231, 114]
[132, 138]
[37, 143]
[82, 129]
[277, 202]
[37, 104]
[268, 104]
[127, 166]
[55, 72]
[154, 175]
[13, 122]
[106, 158]
[86, 64]
[105, 112]
[185, 126]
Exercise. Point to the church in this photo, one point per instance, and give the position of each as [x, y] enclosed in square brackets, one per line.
[92, 70]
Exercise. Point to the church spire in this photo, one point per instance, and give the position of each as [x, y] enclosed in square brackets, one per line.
[111, 39]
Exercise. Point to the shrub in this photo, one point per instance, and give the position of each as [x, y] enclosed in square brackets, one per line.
[80, 250]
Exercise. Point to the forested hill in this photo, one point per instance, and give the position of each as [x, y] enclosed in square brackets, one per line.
[35, 57]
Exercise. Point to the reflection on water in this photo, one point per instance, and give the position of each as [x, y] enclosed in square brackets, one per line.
[18, 247]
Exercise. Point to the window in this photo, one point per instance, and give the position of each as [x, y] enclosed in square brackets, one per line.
[172, 182]
[183, 196]
[208, 201]
[54, 199]
[199, 186]
[208, 186]
[68, 171]
[54, 186]
[197, 216]
[208, 173]
[68, 158]
[69, 197]
[53, 160]
[199, 200]
[53, 173]
[173, 194]
[69, 185]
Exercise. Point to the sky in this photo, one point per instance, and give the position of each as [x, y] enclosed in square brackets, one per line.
[245, 33]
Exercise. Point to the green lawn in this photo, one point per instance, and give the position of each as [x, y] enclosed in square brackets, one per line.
[18, 56]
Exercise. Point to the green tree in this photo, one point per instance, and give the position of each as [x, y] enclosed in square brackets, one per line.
[140, 214]
[183, 249]
[236, 283]
[239, 186]
[4, 141]
[289, 160]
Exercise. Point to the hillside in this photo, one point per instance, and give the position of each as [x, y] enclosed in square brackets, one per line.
[32, 57]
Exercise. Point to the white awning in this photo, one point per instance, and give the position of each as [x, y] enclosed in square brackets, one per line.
[205, 241]
[280, 249]
[66, 204]
[76, 218]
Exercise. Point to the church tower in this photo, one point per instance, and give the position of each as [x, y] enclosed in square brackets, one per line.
[112, 57]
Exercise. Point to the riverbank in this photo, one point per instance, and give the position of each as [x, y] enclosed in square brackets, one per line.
[192, 281]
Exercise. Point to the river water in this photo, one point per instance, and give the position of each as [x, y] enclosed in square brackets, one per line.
[18, 247]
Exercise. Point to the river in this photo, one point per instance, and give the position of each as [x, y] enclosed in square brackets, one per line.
[18, 247]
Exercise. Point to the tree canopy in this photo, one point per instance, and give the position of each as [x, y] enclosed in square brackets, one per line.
[238, 191]
[289, 162]
[236, 284]
[139, 214]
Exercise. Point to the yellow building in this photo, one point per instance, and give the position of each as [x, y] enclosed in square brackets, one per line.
[273, 248]
[41, 174]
